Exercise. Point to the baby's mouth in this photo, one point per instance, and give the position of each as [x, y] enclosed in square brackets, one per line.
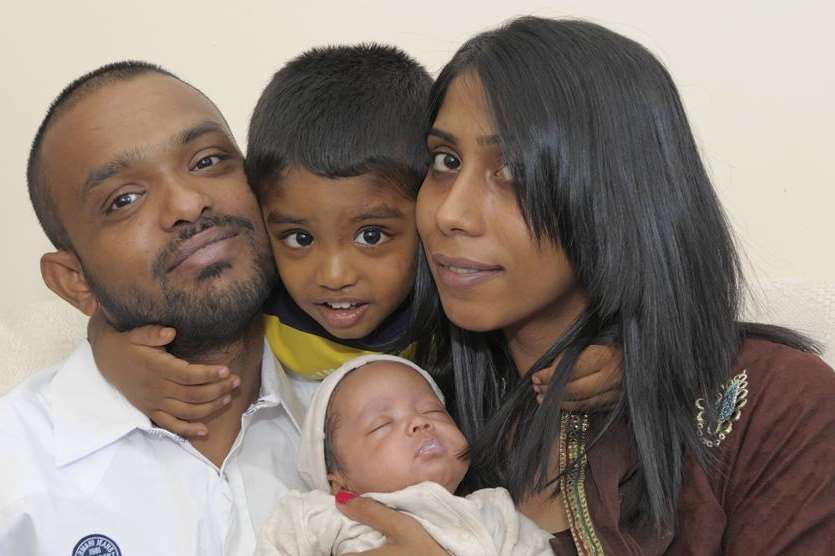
[430, 447]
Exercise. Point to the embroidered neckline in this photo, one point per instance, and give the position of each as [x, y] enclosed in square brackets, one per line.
[573, 462]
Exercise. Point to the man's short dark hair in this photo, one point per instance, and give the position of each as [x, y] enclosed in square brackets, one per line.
[343, 111]
[42, 200]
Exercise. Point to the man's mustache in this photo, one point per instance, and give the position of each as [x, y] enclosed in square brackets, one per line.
[163, 261]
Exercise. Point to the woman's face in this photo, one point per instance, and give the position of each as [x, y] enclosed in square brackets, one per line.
[491, 273]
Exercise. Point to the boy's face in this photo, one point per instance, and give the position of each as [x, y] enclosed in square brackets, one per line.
[345, 248]
[391, 431]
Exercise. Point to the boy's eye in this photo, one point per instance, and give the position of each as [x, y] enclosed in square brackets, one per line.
[445, 162]
[297, 239]
[123, 200]
[371, 236]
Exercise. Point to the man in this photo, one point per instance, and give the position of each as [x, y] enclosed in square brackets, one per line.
[137, 181]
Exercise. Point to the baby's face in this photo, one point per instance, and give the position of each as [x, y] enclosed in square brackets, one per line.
[391, 431]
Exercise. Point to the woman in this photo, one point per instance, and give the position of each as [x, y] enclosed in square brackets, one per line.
[567, 206]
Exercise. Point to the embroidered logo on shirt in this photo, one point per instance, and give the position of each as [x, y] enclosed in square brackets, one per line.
[96, 545]
[730, 401]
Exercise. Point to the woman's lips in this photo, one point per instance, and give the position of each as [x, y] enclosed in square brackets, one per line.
[457, 272]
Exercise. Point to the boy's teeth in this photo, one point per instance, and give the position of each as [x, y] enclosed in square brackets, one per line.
[340, 305]
[460, 270]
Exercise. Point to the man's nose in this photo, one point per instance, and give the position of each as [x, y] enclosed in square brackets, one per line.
[184, 201]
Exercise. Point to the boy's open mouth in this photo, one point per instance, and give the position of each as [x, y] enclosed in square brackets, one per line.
[342, 313]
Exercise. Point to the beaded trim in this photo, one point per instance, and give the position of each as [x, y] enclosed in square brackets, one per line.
[730, 401]
[573, 428]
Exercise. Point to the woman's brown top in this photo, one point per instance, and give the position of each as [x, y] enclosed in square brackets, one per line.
[772, 492]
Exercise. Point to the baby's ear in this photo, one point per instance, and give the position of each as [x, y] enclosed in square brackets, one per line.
[337, 482]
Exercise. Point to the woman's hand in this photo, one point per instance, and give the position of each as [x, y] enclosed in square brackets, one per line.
[173, 393]
[404, 535]
[595, 383]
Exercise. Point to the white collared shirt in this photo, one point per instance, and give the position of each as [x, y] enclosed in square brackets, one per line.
[84, 473]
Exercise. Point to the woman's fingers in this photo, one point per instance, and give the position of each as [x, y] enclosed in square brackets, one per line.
[403, 534]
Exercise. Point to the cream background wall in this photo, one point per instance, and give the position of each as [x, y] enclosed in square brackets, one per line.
[756, 77]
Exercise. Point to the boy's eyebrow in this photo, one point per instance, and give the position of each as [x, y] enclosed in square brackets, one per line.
[441, 134]
[276, 217]
[483, 140]
[378, 213]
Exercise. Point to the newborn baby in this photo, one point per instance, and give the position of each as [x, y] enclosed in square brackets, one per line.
[378, 427]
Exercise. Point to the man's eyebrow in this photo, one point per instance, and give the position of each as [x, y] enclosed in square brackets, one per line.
[381, 212]
[127, 159]
[204, 127]
[276, 217]
[109, 169]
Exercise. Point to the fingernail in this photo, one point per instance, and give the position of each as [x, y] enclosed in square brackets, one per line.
[223, 373]
[236, 381]
[202, 432]
[227, 399]
[344, 496]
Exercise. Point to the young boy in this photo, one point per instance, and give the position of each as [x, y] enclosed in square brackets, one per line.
[391, 408]
[336, 156]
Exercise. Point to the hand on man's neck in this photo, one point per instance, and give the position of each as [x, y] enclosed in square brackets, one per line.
[242, 358]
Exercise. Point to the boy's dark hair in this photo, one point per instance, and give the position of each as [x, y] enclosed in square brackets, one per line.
[42, 200]
[343, 111]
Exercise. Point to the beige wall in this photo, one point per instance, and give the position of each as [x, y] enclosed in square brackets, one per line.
[756, 78]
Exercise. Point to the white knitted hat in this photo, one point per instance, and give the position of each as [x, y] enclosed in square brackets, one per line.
[311, 462]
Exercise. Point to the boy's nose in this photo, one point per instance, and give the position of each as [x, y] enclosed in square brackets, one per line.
[336, 274]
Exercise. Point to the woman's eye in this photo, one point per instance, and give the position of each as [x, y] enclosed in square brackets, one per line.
[445, 162]
[296, 240]
[208, 162]
[371, 236]
[123, 200]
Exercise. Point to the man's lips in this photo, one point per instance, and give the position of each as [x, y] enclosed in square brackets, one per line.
[456, 272]
[200, 241]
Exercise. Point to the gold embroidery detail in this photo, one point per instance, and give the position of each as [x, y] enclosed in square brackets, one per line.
[730, 401]
[572, 457]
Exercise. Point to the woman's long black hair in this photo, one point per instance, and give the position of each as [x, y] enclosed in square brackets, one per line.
[606, 166]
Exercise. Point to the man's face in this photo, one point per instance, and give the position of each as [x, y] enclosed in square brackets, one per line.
[150, 186]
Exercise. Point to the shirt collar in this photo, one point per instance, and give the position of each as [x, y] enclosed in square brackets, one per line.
[88, 413]
[278, 389]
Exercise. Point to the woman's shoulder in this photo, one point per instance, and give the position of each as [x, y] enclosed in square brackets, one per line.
[775, 443]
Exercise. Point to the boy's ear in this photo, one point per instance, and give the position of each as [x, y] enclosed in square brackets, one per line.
[63, 274]
[338, 482]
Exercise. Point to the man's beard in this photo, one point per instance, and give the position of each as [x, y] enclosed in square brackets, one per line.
[204, 323]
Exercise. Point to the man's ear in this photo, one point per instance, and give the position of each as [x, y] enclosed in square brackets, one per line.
[338, 482]
[63, 274]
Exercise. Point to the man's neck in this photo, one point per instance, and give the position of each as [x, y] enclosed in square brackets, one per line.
[243, 358]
